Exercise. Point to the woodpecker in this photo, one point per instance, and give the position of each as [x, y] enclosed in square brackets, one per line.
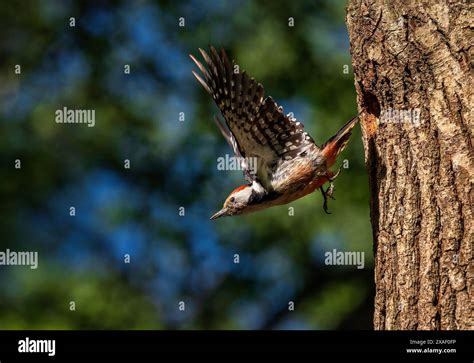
[289, 163]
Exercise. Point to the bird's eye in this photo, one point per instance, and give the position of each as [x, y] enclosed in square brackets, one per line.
[232, 200]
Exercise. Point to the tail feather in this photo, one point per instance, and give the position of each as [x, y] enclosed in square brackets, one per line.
[334, 146]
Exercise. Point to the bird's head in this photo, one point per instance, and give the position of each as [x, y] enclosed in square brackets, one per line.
[237, 202]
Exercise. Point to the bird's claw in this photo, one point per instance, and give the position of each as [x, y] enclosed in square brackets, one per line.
[334, 176]
[327, 193]
[330, 191]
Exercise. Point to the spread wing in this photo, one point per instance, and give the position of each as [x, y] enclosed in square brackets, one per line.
[258, 125]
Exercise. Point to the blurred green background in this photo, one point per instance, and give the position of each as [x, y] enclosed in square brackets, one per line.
[173, 164]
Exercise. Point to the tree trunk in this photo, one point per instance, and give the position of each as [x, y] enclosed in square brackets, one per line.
[412, 63]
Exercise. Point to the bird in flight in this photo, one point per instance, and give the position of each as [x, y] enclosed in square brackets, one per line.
[289, 164]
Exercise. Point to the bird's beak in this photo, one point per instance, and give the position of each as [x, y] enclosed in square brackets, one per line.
[222, 212]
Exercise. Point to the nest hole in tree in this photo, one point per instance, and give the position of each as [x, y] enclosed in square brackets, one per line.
[371, 104]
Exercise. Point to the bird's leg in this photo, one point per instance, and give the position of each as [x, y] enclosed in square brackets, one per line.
[332, 176]
[330, 190]
[325, 196]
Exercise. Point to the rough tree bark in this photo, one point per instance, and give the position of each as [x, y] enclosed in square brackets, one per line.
[410, 56]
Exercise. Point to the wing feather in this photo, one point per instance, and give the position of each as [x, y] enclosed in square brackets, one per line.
[257, 125]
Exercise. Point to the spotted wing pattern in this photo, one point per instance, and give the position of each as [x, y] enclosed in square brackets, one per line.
[258, 124]
[248, 173]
